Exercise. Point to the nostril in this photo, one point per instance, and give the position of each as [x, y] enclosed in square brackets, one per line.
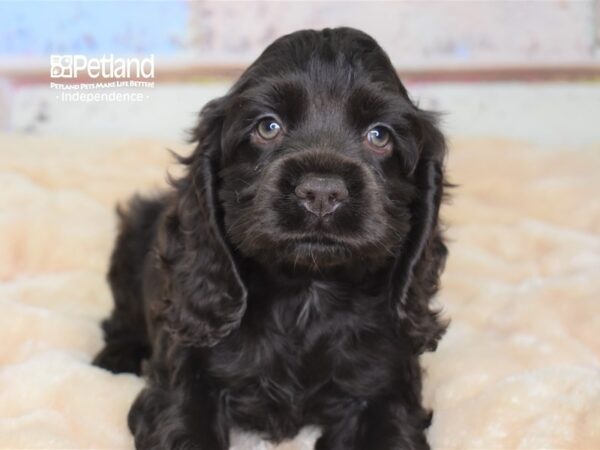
[302, 191]
[340, 194]
[334, 198]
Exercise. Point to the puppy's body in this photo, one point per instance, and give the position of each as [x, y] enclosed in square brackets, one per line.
[258, 307]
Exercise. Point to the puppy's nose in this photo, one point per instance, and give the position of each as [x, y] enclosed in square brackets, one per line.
[321, 194]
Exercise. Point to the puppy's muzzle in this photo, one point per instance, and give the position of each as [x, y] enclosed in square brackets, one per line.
[321, 195]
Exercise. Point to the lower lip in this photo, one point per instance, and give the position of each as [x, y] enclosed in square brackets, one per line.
[317, 242]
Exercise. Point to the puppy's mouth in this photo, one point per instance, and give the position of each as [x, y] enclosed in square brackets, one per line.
[316, 250]
[317, 240]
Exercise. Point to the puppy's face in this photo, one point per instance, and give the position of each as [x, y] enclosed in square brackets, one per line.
[318, 150]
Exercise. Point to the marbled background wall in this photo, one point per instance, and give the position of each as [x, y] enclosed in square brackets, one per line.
[417, 34]
[425, 33]
[420, 35]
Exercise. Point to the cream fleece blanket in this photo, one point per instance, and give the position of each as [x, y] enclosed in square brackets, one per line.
[519, 367]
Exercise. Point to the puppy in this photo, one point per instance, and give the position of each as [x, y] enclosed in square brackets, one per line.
[285, 279]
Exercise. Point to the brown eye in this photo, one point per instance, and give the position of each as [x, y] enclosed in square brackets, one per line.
[378, 137]
[268, 128]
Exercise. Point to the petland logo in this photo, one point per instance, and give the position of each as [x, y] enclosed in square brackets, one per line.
[83, 79]
[107, 66]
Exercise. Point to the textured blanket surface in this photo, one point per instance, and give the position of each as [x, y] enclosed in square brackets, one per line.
[518, 368]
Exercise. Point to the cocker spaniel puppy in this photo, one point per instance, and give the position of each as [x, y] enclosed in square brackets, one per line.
[285, 280]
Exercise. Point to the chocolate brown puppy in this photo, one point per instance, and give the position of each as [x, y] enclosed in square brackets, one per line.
[286, 278]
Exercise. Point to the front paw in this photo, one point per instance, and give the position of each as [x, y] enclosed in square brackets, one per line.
[326, 443]
[160, 421]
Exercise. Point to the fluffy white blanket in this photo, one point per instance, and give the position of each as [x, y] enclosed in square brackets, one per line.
[519, 367]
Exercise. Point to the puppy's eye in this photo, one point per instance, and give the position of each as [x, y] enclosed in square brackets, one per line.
[268, 128]
[378, 137]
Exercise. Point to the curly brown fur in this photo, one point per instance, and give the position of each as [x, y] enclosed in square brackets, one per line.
[249, 310]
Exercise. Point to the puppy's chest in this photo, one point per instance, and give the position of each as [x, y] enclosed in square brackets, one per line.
[300, 350]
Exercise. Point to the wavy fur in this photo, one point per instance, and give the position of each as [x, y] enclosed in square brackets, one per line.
[242, 309]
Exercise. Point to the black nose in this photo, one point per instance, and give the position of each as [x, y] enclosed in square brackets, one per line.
[321, 194]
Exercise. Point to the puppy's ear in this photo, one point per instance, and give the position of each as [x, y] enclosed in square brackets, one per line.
[205, 295]
[415, 276]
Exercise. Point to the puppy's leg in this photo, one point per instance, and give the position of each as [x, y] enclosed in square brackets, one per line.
[178, 419]
[125, 330]
[389, 425]
[340, 435]
[384, 425]
[178, 411]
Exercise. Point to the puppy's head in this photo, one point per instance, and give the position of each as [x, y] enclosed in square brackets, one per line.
[317, 158]
[318, 153]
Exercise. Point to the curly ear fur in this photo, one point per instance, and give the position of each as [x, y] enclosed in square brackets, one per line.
[417, 269]
[205, 294]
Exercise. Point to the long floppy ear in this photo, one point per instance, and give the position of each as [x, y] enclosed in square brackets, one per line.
[205, 294]
[415, 276]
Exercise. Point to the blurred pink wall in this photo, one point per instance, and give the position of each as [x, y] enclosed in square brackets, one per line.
[417, 34]
[206, 35]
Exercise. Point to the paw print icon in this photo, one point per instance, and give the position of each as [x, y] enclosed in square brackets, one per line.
[61, 66]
